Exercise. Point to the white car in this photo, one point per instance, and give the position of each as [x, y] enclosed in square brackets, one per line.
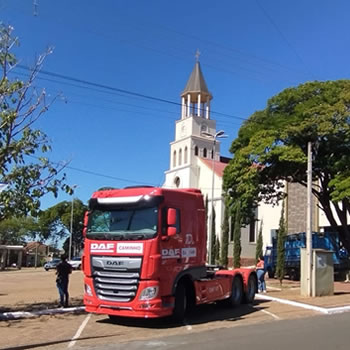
[76, 263]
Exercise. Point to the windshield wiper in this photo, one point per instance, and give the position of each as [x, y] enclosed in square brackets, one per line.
[97, 235]
[108, 236]
[114, 237]
[135, 236]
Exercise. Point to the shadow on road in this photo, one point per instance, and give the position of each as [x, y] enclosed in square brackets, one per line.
[199, 315]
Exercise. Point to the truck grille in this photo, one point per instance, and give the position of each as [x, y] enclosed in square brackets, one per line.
[116, 278]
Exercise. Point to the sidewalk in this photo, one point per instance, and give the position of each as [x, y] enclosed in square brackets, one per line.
[290, 294]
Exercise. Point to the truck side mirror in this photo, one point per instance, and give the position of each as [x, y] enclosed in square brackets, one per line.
[171, 222]
[86, 220]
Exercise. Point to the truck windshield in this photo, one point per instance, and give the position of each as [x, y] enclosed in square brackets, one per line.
[128, 224]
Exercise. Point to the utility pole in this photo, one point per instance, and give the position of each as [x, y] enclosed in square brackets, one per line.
[71, 231]
[309, 219]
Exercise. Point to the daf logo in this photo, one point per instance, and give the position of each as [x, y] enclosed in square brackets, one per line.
[114, 263]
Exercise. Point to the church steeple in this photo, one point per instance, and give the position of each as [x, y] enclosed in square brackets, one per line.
[196, 96]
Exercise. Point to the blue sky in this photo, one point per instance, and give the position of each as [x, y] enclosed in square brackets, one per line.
[250, 51]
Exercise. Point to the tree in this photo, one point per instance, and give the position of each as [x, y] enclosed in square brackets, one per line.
[237, 248]
[213, 236]
[259, 245]
[225, 235]
[14, 231]
[281, 237]
[217, 251]
[271, 148]
[23, 168]
[55, 223]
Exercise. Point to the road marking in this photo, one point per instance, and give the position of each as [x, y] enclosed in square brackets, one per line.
[323, 310]
[77, 334]
[338, 310]
[293, 303]
[270, 314]
[16, 315]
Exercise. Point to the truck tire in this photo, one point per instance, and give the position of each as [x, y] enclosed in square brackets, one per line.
[252, 287]
[237, 292]
[294, 274]
[180, 303]
[271, 273]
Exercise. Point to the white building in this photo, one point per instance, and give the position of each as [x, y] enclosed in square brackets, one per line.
[195, 157]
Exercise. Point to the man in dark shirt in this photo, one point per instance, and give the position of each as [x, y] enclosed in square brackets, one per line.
[63, 269]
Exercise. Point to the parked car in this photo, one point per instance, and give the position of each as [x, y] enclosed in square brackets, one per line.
[51, 264]
[75, 262]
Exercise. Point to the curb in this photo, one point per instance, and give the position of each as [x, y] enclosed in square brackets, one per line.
[323, 310]
[17, 315]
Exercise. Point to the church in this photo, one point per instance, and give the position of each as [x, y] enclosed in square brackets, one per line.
[195, 160]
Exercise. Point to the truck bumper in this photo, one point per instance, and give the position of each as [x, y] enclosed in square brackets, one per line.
[154, 308]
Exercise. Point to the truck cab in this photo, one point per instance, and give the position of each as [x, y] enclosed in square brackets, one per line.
[145, 253]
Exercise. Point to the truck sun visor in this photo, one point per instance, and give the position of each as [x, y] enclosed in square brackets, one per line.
[94, 203]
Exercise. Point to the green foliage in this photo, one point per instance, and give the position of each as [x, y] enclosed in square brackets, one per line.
[259, 245]
[55, 222]
[213, 237]
[225, 236]
[281, 237]
[237, 249]
[217, 251]
[271, 148]
[28, 174]
[15, 230]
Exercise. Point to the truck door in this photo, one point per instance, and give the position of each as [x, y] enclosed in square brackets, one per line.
[171, 244]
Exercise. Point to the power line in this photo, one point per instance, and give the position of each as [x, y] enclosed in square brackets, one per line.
[94, 173]
[118, 90]
[121, 103]
[284, 37]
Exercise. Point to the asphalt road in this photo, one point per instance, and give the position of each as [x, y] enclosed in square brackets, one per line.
[321, 333]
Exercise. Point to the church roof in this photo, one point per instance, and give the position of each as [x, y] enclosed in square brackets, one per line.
[219, 166]
[196, 82]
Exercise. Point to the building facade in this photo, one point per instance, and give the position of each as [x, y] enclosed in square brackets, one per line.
[195, 160]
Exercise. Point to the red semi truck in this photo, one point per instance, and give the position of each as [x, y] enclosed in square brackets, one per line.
[145, 252]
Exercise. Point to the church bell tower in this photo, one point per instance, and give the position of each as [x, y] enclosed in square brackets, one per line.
[190, 143]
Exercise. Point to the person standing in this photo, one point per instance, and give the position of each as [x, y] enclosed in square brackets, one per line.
[260, 271]
[63, 270]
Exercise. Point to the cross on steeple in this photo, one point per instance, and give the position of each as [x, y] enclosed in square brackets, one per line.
[197, 55]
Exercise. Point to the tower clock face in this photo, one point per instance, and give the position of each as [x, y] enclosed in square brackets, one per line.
[204, 128]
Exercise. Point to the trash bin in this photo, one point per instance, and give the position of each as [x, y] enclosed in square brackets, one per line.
[322, 272]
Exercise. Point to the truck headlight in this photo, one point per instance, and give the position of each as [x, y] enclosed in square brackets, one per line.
[88, 290]
[149, 293]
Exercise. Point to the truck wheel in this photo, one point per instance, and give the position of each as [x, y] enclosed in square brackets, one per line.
[294, 275]
[180, 303]
[237, 292]
[271, 273]
[252, 287]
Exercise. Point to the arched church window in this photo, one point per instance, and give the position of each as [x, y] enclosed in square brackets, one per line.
[177, 182]
[196, 151]
[204, 152]
[180, 156]
[185, 155]
[174, 159]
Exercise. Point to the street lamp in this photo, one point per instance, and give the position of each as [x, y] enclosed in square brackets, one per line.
[219, 135]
